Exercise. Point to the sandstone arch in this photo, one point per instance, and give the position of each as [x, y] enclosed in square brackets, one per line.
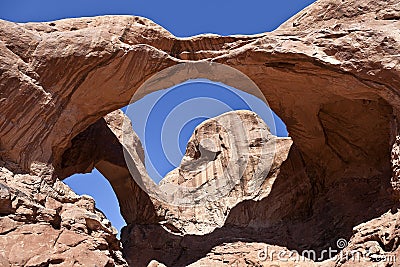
[331, 73]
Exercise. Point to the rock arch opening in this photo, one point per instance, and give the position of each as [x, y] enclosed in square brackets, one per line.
[326, 158]
[97, 186]
[166, 119]
[99, 146]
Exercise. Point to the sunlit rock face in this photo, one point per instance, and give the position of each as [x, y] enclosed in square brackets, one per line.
[331, 73]
[229, 159]
[43, 223]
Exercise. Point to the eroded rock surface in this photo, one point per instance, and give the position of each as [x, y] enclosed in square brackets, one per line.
[229, 159]
[331, 73]
[101, 146]
[44, 223]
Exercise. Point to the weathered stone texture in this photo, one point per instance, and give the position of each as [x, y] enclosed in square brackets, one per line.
[331, 73]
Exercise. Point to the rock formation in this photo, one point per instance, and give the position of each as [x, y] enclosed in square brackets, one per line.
[331, 73]
[44, 223]
[229, 159]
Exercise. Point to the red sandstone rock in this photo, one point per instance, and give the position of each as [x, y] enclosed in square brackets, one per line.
[47, 224]
[331, 73]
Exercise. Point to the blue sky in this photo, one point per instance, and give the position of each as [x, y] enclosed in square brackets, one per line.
[182, 18]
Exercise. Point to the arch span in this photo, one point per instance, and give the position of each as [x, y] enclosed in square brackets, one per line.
[334, 82]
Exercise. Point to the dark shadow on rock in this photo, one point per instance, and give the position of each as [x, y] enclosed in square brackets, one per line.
[295, 215]
[98, 147]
